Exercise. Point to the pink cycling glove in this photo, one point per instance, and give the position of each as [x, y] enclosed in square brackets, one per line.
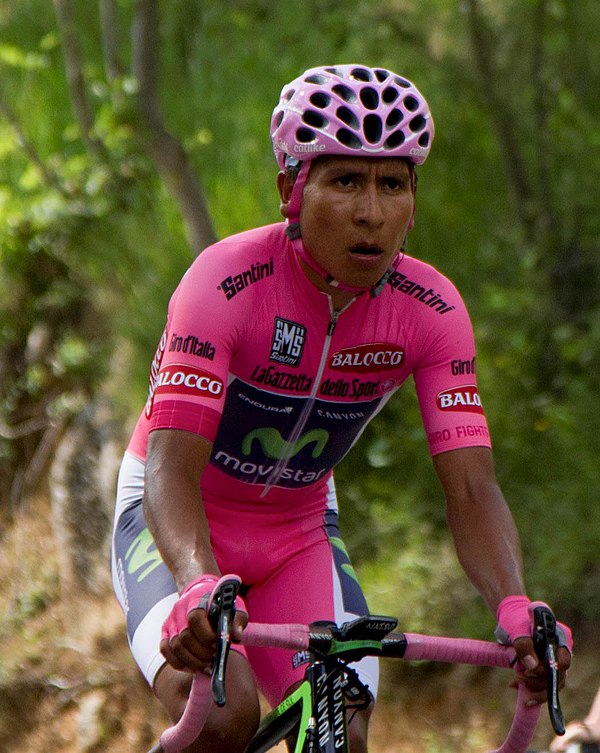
[515, 620]
[196, 594]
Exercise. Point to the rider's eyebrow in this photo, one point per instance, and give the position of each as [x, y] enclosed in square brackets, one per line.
[356, 172]
[348, 174]
[342, 169]
[399, 177]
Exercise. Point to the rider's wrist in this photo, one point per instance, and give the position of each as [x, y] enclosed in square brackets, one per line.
[206, 579]
[513, 618]
[511, 602]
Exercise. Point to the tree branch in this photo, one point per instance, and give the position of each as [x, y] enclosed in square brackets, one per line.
[27, 480]
[165, 150]
[503, 120]
[75, 79]
[110, 39]
[548, 227]
[24, 429]
[50, 179]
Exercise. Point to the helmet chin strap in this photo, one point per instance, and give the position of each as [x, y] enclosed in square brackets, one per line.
[294, 233]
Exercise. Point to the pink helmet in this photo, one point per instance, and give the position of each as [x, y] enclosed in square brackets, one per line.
[351, 110]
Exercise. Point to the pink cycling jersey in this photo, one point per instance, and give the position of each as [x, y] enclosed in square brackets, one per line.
[254, 359]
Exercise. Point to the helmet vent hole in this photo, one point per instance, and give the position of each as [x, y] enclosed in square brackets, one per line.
[277, 119]
[320, 99]
[344, 92]
[316, 78]
[314, 119]
[390, 94]
[402, 82]
[305, 135]
[394, 140]
[289, 94]
[417, 123]
[411, 103]
[370, 98]
[424, 139]
[381, 74]
[373, 128]
[347, 116]
[393, 118]
[347, 138]
[361, 74]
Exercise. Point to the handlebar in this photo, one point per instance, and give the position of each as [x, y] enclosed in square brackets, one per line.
[410, 646]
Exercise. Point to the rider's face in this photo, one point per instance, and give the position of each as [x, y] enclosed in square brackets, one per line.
[355, 214]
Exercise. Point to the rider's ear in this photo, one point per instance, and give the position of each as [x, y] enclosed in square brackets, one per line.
[285, 183]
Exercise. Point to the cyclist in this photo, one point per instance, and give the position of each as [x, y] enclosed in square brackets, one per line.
[281, 343]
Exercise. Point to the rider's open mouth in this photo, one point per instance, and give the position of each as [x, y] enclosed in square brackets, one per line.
[366, 250]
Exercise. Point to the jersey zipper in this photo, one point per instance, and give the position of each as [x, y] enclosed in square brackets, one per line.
[290, 443]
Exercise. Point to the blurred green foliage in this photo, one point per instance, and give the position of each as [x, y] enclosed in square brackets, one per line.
[91, 248]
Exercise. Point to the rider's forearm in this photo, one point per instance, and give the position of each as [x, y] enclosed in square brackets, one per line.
[485, 535]
[178, 525]
[175, 515]
[487, 543]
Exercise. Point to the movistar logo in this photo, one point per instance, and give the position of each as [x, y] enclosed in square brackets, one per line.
[142, 555]
[274, 446]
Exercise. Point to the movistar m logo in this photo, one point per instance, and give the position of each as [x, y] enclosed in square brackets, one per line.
[274, 446]
[142, 555]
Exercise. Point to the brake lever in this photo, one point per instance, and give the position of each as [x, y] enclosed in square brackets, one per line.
[545, 641]
[220, 615]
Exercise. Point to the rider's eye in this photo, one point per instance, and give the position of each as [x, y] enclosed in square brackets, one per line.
[394, 184]
[345, 180]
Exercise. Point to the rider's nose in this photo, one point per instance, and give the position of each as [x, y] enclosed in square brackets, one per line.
[368, 209]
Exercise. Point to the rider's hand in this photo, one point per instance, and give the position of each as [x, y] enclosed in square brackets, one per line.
[188, 641]
[515, 627]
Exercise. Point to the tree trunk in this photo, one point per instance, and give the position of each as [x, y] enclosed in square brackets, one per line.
[165, 150]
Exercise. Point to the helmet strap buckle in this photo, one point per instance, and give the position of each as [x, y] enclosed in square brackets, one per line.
[293, 231]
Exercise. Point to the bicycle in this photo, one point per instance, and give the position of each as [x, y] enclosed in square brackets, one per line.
[317, 710]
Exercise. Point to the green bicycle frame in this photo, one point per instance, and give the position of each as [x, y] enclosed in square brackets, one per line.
[316, 710]
[293, 713]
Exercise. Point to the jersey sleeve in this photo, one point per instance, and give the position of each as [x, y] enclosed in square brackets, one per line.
[188, 376]
[446, 384]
